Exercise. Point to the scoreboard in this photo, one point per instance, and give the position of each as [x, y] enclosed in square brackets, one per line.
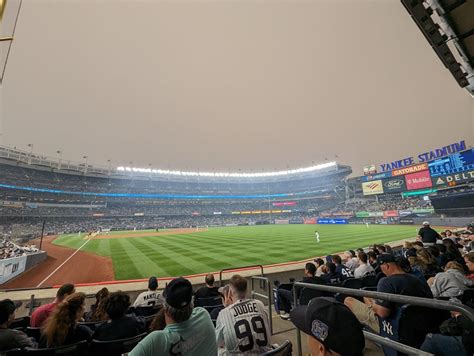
[455, 163]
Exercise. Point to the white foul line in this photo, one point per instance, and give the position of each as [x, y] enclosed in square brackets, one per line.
[62, 264]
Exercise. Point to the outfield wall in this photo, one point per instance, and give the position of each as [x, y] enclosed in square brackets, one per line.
[439, 221]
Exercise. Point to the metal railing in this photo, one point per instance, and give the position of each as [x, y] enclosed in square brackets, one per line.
[395, 298]
[237, 269]
[264, 284]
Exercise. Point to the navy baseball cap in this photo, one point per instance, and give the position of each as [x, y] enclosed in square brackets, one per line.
[152, 283]
[332, 323]
[386, 258]
[178, 293]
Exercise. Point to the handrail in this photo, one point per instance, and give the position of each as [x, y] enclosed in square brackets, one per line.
[401, 299]
[268, 297]
[237, 268]
[408, 350]
[395, 298]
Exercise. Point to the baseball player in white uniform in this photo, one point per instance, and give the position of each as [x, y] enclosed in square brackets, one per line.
[316, 234]
[242, 327]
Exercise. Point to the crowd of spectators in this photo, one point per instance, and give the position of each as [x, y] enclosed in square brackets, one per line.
[177, 327]
[10, 249]
[134, 184]
[444, 270]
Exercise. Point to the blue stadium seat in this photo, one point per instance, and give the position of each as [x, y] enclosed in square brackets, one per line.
[284, 349]
[410, 324]
[208, 303]
[78, 349]
[115, 347]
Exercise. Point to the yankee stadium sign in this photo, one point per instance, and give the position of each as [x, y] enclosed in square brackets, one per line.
[424, 157]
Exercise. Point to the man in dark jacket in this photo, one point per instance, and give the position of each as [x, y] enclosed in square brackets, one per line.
[285, 296]
[427, 235]
[11, 339]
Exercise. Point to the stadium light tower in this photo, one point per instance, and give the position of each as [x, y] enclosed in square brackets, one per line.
[9, 12]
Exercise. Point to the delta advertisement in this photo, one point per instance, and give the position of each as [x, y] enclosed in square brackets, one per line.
[452, 180]
[372, 188]
[418, 180]
[333, 221]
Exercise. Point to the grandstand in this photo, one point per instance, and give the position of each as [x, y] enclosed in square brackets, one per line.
[128, 258]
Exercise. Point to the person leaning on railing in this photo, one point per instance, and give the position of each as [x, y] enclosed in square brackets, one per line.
[397, 281]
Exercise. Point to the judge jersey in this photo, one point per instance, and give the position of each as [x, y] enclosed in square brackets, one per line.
[242, 328]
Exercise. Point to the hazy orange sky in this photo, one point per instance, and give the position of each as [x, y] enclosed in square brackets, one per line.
[228, 85]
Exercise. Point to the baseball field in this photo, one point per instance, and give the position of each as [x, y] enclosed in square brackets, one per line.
[139, 254]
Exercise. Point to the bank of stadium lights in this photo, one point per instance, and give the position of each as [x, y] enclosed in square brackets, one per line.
[225, 174]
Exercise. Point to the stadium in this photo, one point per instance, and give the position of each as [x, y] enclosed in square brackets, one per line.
[284, 227]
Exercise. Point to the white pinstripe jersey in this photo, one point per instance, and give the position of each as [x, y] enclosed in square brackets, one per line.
[242, 328]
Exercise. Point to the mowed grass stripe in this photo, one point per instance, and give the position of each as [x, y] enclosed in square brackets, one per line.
[217, 248]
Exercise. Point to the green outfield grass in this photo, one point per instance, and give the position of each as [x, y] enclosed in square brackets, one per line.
[218, 248]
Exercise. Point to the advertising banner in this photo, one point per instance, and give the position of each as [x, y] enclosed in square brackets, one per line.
[285, 203]
[423, 210]
[11, 267]
[376, 176]
[394, 185]
[406, 221]
[375, 214]
[333, 221]
[418, 180]
[390, 213]
[404, 212]
[372, 188]
[411, 169]
[282, 222]
[362, 214]
[370, 169]
[337, 214]
[310, 221]
[454, 179]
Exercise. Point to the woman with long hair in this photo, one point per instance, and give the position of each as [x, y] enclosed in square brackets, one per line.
[61, 327]
[427, 262]
[97, 312]
[452, 252]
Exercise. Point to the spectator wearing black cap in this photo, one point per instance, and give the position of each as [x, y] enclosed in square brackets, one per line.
[9, 338]
[188, 331]
[427, 235]
[149, 298]
[397, 281]
[285, 296]
[209, 290]
[120, 325]
[331, 327]
[42, 313]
